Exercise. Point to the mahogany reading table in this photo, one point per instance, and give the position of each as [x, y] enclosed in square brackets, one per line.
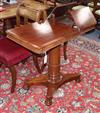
[41, 38]
[48, 38]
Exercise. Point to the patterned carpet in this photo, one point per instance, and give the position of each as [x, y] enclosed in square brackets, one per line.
[88, 45]
[83, 97]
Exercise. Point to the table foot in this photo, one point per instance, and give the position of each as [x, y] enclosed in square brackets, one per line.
[51, 87]
[50, 91]
[26, 87]
[69, 77]
[78, 79]
[48, 101]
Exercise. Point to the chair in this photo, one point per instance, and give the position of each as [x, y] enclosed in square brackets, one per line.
[95, 4]
[96, 12]
[30, 14]
[91, 4]
[11, 54]
[31, 10]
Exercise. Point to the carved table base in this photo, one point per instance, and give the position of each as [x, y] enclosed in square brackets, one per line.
[54, 79]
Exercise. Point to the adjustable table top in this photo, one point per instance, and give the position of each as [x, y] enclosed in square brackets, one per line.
[40, 38]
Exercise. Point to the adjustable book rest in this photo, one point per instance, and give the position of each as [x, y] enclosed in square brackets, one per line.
[83, 19]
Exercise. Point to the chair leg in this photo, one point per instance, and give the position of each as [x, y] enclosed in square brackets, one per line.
[36, 63]
[0, 64]
[35, 59]
[43, 66]
[64, 50]
[13, 73]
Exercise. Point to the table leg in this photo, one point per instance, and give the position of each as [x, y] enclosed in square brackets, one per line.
[64, 50]
[54, 79]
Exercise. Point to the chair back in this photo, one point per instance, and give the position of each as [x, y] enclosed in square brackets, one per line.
[96, 5]
[34, 11]
[96, 12]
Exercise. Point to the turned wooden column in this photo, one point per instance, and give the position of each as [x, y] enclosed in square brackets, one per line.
[54, 65]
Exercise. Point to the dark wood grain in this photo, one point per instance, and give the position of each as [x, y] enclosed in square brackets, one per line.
[38, 39]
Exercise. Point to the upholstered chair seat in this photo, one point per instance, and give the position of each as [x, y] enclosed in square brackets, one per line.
[91, 4]
[97, 12]
[78, 7]
[11, 54]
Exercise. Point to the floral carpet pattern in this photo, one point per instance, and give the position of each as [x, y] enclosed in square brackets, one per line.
[86, 44]
[72, 97]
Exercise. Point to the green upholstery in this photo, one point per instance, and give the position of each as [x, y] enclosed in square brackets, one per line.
[81, 6]
[97, 12]
[91, 8]
[78, 7]
[91, 4]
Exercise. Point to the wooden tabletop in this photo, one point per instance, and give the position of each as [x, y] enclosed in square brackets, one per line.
[40, 38]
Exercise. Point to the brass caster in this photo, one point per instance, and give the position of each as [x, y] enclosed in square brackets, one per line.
[12, 90]
[78, 79]
[48, 101]
[26, 87]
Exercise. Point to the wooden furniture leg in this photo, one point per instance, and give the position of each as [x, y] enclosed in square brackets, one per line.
[14, 78]
[36, 63]
[4, 27]
[13, 74]
[64, 49]
[54, 79]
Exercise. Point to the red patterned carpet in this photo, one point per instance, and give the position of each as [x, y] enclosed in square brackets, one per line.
[83, 97]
